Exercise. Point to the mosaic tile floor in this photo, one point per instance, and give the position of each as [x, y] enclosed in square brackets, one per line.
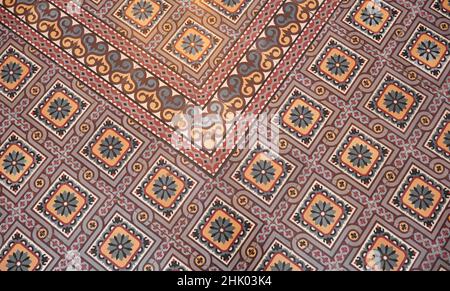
[93, 94]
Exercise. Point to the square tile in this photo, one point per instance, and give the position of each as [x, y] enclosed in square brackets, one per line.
[231, 9]
[120, 246]
[338, 65]
[111, 148]
[65, 204]
[19, 253]
[18, 161]
[384, 251]
[360, 156]
[222, 230]
[165, 188]
[395, 102]
[192, 44]
[421, 197]
[59, 109]
[372, 18]
[263, 173]
[280, 258]
[439, 141]
[16, 72]
[302, 117]
[427, 50]
[323, 214]
[142, 15]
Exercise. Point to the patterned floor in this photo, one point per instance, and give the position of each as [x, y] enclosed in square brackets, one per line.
[94, 93]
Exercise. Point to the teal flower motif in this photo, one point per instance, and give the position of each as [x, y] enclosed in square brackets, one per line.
[371, 15]
[18, 261]
[65, 204]
[421, 197]
[11, 72]
[360, 156]
[323, 214]
[385, 258]
[14, 163]
[165, 187]
[301, 116]
[395, 101]
[338, 65]
[59, 109]
[428, 50]
[221, 230]
[263, 172]
[120, 247]
[281, 267]
[192, 44]
[142, 10]
[111, 147]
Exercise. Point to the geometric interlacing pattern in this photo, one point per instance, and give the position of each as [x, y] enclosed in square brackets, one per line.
[92, 95]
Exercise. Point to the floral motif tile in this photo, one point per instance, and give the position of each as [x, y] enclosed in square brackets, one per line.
[396, 102]
[280, 259]
[59, 109]
[142, 15]
[193, 44]
[65, 204]
[360, 156]
[231, 9]
[338, 65]
[263, 173]
[421, 197]
[442, 6]
[20, 254]
[323, 214]
[18, 161]
[165, 188]
[110, 148]
[222, 230]
[427, 50]
[373, 18]
[384, 251]
[120, 246]
[439, 141]
[302, 117]
[16, 72]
